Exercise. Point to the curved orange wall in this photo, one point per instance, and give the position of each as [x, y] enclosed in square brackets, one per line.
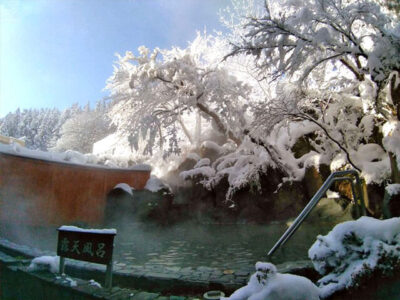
[40, 192]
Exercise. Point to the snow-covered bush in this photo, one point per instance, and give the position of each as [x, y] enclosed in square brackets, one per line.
[242, 168]
[354, 251]
[267, 284]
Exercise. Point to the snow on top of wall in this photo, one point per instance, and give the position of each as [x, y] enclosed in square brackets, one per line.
[50, 263]
[125, 187]
[154, 184]
[353, 249]
[78, 229]
[393, 189]
[68, 157]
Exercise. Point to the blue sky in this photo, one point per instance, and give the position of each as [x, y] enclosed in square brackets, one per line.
[57, 52]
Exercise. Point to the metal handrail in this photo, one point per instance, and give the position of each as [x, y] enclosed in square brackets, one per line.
[317, 197]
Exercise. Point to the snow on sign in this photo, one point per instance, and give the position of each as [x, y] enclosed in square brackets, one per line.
[86, 244]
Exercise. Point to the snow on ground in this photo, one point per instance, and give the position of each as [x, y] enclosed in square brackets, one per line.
[71, 282]
[50, 263]
[353, 250]
[78, 229]
[94, 283]
[267, 284]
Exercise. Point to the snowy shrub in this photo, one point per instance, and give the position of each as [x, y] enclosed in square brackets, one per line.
[241, 168]
[267, 284]
[354, 251]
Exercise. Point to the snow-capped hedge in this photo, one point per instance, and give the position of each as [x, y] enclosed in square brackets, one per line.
[354, 251]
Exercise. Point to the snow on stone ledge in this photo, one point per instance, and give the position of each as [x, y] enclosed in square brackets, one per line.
[78, 229]
[125, 187]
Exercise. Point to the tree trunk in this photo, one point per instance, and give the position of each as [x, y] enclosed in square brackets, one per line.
[221, 126]
[185, 130]
[395, 95]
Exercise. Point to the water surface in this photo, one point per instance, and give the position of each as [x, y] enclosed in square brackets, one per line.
[189, 245]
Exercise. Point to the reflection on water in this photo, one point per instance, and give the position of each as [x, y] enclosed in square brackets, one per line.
[189, 245]
[219, 246]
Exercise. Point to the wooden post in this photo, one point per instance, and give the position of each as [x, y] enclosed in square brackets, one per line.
[108, 283]
[62, 265]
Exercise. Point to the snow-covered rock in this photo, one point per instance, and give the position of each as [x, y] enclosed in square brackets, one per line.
[154, 184]
[50, 263]
[353, 251]
[267, 284]
[125, 187]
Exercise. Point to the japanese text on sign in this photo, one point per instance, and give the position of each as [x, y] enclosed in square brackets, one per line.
[93, 247]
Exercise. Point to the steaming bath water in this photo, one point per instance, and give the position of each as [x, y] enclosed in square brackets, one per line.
[189, 245]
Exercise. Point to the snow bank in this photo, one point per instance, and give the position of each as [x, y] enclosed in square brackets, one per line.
[353, 250]
[51, 263]
[78, 229]
[267, 284]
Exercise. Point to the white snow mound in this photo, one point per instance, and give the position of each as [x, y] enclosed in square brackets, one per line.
[50, 263]
[267, 284]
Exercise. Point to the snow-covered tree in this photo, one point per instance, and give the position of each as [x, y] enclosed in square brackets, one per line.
[164, 90]
[81, 131]
[337, 65]
[36, 127]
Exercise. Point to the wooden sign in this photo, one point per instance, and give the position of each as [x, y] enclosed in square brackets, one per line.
[85, 245]
[92, 245]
